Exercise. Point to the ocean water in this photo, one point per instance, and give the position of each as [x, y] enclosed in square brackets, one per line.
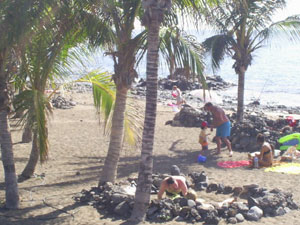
[273, 78]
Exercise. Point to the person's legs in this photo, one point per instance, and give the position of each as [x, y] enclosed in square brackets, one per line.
[204, 147]
[264, 163]
[223, 132]
[218, 140]
[228, 144]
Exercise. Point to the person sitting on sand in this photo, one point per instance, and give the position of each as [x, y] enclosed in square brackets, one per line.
[176, 93]
[290, 154]
[223, 125]
[265, 157]
[173, 186]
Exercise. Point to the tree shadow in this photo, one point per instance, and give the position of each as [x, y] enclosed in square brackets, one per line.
[14, 217]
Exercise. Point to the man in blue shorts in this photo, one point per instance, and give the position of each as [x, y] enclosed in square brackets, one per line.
[222, 123]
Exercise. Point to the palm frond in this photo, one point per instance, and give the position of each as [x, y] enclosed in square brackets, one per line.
[285, 30]
[133, 124]
[217, 46]
[104, 97]
[290, 27]
[36, 107]
[103, 92]
[183, 50]
[40, 106]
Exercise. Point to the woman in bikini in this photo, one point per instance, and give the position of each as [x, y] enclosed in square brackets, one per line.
[265, 157]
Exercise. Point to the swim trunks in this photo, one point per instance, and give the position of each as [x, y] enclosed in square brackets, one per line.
[224, 130]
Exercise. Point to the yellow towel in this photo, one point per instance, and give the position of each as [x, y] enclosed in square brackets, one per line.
[289, 168]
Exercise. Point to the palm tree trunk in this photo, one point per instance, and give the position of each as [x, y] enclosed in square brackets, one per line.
[241, 90]
[27, 134]
[11, 185]
[142, 195]
[109, 171]
[33, 159]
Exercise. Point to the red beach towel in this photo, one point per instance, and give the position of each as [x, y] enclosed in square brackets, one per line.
[233, 164]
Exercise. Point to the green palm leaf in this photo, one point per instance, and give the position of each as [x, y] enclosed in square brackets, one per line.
[104, 97]
[103, 91]
[217, 46]
[182, 50]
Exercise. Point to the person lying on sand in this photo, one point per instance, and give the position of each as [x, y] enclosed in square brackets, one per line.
[265, 157]
[173, 186]
[290, 154]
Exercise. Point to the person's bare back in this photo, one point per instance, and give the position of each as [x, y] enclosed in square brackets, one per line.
[219, 116]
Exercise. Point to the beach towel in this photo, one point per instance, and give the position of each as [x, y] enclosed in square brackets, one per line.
[234, 164]
[289, 168]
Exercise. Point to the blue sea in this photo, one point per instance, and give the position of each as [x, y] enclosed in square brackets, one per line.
[273, 78]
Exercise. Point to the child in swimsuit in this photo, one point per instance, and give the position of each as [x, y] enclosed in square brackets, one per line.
[203, 136]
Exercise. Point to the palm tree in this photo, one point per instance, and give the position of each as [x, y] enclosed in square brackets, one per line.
[16, 19]
[115, 32]
[154, 14]
[42, 60]
[244, 26]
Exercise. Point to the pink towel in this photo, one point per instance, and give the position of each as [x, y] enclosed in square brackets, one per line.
[233, 164]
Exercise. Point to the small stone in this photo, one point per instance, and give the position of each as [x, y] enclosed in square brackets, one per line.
[232, 220]
[253, 202]
[279, 211]
[191, 203]
[232, 212]
[122, 209]
[228, 190]
[237, 191]
[212, 187]
[254, 213]
[184, 212]
[221, 188]
[179, 219]
[175, 170]
[152, 210]
[242, 207]
[240, 218]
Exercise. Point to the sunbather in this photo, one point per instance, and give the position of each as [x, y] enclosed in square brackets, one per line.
[265, 157]
[290, 154]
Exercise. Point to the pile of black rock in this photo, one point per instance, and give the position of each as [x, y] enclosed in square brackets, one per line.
[243, 134]
[165, 85]
[62, 103]
[249, 202]
[189, 117]
[212, 82]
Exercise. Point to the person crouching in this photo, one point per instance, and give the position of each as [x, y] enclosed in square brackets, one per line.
[174, 186]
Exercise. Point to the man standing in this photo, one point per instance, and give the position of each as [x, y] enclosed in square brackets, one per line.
[222, 123]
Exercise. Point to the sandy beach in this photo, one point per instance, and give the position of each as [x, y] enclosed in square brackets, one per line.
[77, 152]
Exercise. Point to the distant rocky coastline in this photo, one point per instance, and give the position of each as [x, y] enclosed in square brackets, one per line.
[215, 84]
